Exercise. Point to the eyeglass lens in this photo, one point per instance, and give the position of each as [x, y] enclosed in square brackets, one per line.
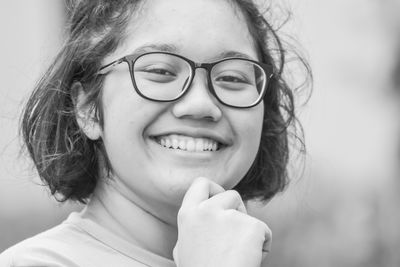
[165, 77]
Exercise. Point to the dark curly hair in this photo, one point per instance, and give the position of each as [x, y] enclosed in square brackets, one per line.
[68, 162]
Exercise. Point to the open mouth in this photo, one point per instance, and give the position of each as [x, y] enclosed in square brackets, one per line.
[187, 143]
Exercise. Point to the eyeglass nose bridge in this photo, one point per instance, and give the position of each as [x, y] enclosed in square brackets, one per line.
[207, 67]
[198, 65]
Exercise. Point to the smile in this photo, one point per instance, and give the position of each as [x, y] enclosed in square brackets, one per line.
[188, 143]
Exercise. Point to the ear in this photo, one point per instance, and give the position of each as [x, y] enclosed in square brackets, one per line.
[85, 114]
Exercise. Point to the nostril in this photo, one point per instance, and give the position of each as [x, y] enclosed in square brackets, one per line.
[209, 118]
[196, 108]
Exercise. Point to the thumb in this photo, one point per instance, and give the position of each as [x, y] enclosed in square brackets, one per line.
[175, 256]
[201, 189]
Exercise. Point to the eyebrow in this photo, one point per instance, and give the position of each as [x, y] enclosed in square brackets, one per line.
[227, 54]
[141, 50]
[171, 48]
[155, 47]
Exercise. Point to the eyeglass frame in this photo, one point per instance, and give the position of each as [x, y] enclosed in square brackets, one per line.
[132, 58]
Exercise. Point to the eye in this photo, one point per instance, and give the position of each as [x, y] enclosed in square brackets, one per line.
[159, 71]
[230, 79]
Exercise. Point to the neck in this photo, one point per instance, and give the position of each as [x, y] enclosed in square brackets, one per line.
[131, 219]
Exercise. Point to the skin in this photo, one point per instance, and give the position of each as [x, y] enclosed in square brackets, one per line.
[149, 182]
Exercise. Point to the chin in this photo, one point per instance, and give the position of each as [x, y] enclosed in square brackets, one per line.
[175, 185]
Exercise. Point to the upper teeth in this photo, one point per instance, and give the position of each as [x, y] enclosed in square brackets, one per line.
[188, 143]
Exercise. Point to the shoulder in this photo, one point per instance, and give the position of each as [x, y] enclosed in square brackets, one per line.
[77, 242]
[50, 248]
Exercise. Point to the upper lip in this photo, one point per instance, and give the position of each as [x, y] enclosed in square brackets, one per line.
[197, 133]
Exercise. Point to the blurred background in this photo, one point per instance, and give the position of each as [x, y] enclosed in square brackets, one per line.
[343, 211]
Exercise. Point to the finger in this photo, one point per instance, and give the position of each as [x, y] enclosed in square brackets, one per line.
[268, 240]
[265, 234]
[229, 199]
[175, 254]
[266, 249]
[264, 255]
[201, 189]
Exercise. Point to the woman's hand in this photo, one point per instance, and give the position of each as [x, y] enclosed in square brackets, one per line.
[215, 230]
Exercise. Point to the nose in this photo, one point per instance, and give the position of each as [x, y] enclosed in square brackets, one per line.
[198, 103]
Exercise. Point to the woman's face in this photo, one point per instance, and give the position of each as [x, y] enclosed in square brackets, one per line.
[146, 171]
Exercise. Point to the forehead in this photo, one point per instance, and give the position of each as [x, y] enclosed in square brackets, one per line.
[196, 28]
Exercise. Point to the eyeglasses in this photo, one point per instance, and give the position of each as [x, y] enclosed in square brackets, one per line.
[165, 77]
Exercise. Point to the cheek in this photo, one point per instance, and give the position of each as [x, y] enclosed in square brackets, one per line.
[248, 130]
[118, 137]
[252, 127]
[123, 113]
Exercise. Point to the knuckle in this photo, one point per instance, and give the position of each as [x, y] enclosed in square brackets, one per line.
[234, 194]
[263, 227]
[231, 213]
[268, 231]
[269, 235]
[258, 225]
[235, 217]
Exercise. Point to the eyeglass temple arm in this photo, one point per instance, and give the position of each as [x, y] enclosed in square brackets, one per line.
[106, 68]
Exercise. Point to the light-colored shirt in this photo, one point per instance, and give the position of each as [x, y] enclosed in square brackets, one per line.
[79, 242]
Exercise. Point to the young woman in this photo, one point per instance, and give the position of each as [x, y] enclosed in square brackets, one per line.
[163, 117]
